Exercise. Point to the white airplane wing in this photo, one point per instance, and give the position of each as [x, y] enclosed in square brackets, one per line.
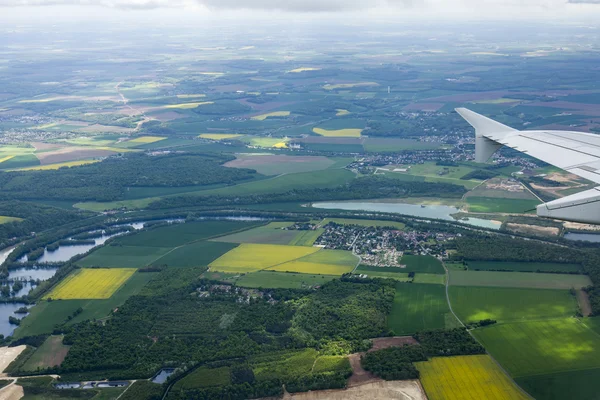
[575, 152]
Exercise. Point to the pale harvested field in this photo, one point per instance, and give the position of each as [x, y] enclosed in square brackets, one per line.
[394, 341]
[533, 229]
[40, 146]
[12, 392]
[8, 355]
[97, 128]
[382, 390]
[71, 154]
[578, 226]
[249, 161]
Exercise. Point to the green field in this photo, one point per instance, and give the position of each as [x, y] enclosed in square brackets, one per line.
[267, 164]
[523, 266]
[542, 347]
[441, 174]
[194, 254]
[326, 262]
[423, 264]
[268, 234]
[306, 238]
[518, 279]
[4, 220]
[46, 314]
[279, 184]
[472, 304]
[272, 279]
[430, 278]
[384, 145]
[204, 377]
[364, 222]
[49, 354]
[180, 234]
[498, 205]
[580, 384]
[123, 256]
[418, 307]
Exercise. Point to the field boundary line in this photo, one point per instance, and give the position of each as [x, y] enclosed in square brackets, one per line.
[201, 240]
[527, 395]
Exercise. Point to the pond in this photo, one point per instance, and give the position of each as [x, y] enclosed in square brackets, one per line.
[163, 375]
[415, 210]
[587, 237]
[8, 310]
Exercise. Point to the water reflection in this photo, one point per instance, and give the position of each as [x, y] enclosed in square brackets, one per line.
[415, 210]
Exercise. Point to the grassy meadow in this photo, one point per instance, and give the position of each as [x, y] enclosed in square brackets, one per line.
[418, 307]
[518, 279]
[542, 347]
[472, 304]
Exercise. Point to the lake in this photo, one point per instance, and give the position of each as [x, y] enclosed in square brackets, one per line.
[415, 210]
[587, 237]
[7, 310]
[163, 375]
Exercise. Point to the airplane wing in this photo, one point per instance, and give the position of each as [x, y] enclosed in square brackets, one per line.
[575, 152]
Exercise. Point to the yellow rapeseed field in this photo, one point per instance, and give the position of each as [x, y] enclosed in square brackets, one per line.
[341, 112]
[466, 378]
[2, 159]
[147, 139]
[219, 136]
[58, 165]
[262, 117]
[280, 145]
[249, 257]
[338, 132]
[91, 283]
[188, 105]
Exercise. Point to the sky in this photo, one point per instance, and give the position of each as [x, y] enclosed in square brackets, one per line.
[19, 10]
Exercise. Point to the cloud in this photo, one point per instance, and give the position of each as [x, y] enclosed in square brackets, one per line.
[482, 6]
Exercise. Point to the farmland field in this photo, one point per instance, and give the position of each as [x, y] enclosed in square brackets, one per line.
[326, 262]
[430, 278]
[220, 136]
[146, 139]
[542, 347]
[518, 279]
[51, 353]
[194, 254]
[180, 234]
[185, 106]
[123, 256]
[579, 384]
[306, 238]
[58, 165]
[271, 279]
[253, 257]
[45, 315]
[418, 307]
[268, 234]
[523, 266]
[466, 377]
[498, 205]
[338, 132]
[4, 219]
[204, 377]
[91, 284]
[385, 273]
[392, 145]
[289, 365]
[423, 264]
[262, 117]
[473, 304]
[277, 164]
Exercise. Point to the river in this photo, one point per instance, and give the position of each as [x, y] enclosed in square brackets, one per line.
[415, 210]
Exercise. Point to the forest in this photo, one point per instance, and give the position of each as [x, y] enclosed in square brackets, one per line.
[109, 179]
[367, 187]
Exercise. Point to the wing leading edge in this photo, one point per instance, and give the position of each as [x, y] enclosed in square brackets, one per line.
[575, 152]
